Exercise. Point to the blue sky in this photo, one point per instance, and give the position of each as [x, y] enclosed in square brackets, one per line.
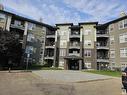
[64, 11]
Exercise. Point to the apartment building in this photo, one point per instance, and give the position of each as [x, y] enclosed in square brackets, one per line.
[118, 42]
[77, 45]
[31, 34]
[87, 45]
[112, 44]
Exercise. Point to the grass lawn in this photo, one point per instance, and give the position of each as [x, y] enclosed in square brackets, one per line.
[105, 72]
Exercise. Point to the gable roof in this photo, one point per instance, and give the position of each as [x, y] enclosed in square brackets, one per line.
[27, 19]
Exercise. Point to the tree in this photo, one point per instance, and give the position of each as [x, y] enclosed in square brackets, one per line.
[10, 47]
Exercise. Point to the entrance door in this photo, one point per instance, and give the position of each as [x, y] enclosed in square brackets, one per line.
[73, 65]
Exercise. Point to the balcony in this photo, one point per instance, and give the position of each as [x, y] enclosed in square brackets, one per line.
[102, 58]
[50, 45]
[102, 45]
[74, 54]
[49, 56]
[102, 33]
[21, 27]
[74, 45]
[50, 34]
[74, 34]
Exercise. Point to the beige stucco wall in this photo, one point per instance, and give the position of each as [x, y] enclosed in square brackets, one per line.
[117, 45]
[91, 36]
[63, 32]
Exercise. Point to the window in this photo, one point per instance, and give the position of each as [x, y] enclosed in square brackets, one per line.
[17, 22]
[121, 25]
[2, 17]
[62, 52]
[125, 23]
[123, 38]
[87, 32]
[87, 53]
[87, 43]
[111, 27]
[123, 52]
[30, 37]
[112, 40]
[31, 26]
[112, 53]
[88, 65]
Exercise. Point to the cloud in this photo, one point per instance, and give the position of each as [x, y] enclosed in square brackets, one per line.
[50, 13]
[56, 11]
[100, 10]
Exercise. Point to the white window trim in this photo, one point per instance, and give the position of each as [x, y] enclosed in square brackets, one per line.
[112, 39]
[123, 53]
[122, 23]
[111, 26]
[122, 38]
[86, 52]
[112, 50]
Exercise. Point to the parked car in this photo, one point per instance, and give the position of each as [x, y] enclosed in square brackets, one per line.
[124, 78]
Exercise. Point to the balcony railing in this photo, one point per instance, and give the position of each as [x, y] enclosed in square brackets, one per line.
[106, 60]
[75, 54]
[50, 36]
[102, 35]
[18, 26]
[49, 57]
[74, 36]
[51, 33]
[103, 47]
[102, 32]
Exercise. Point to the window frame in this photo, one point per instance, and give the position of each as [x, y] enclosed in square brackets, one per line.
[87, 53]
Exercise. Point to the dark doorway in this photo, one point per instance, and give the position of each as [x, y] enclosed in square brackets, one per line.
[73, 64]
[49, 62]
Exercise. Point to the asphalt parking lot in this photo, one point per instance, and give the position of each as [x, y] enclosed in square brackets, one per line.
[22, 83]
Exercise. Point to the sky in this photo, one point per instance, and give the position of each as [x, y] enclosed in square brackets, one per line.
[67, 11]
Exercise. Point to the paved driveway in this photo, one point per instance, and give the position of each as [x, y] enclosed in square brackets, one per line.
[69, 76]
[22, 83]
